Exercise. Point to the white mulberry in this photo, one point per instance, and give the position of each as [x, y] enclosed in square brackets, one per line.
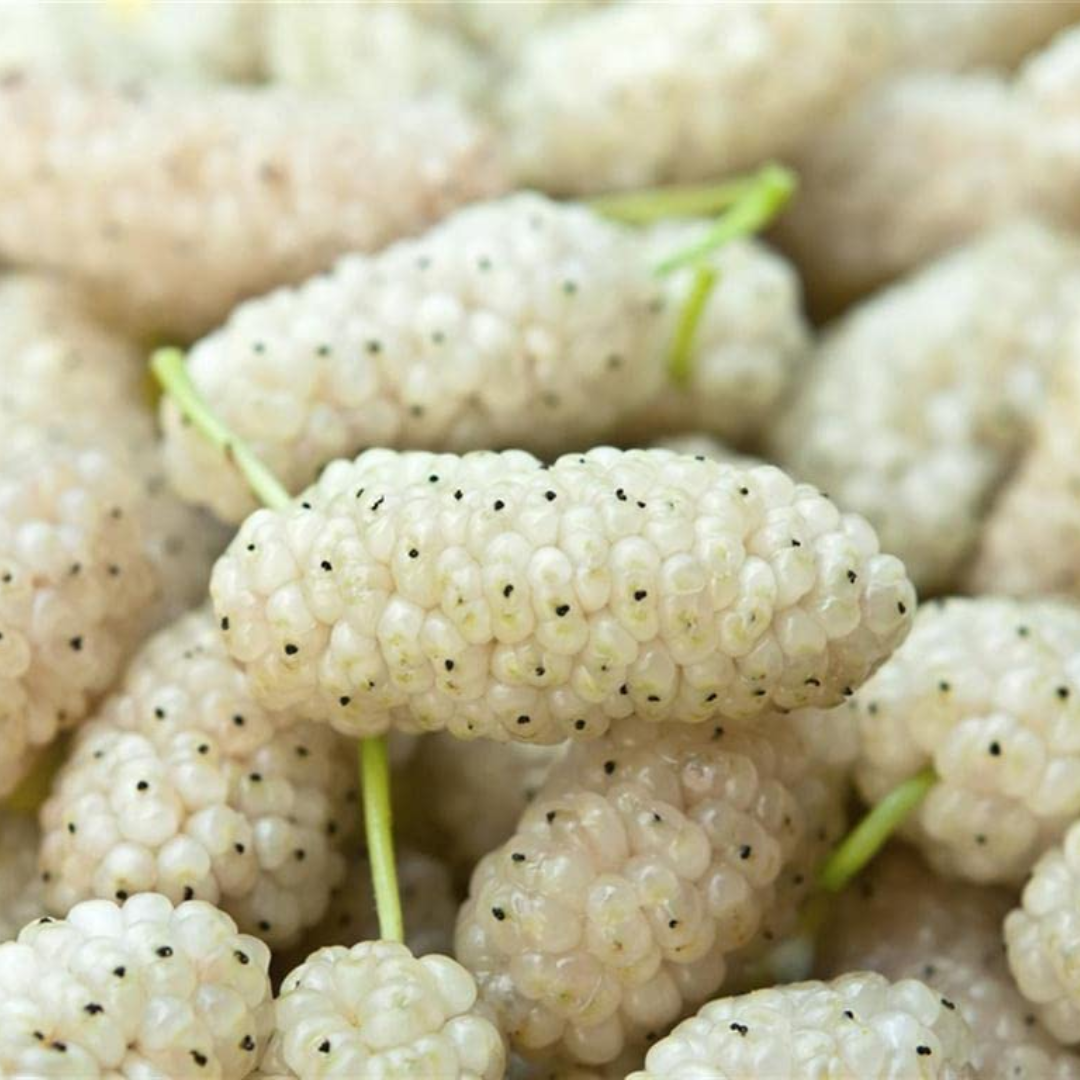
[221, 193]
[972, 339]
[1043, 939]
[636, 94]
[183, 785]
[857, 1027]
[143, 989]
[988, 692]
[376, 1010]
[648, 858]
[492, 595]
[521, 322]
[902, 921]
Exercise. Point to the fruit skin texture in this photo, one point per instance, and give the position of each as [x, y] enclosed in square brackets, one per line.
[21, 888]
[900, 1029]
[902, 921]
[222, 192]
[973, 339]
[1042, 939]
[622, 98]
[1031, 542]
[519, 322]
[376, 1010]
[183, 785]
[649, 857]
[987, 691]
[491, 595]
[132, 991]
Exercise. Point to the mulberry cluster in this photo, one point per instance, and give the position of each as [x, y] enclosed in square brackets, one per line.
[182, 785]
[492, 595]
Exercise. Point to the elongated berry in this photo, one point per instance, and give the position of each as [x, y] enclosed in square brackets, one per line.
[648, 858]
[973, 340]
[492, 595]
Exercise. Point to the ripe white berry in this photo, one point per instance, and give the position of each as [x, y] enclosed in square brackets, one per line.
[21, 888]
[174, 204]
[987, 691]
[183, 785]
[1043, 938]
[747, 350]
[75, 586]
[138, 990]
[376, 1010]
[1031, 542]
[475, 792]
[857, 1027]
[628, 97]
[491, 595]
[904, 922]
[972, 339]
[521, 322]
[647, 859]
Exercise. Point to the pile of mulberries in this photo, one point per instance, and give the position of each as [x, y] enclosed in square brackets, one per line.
[540, 541]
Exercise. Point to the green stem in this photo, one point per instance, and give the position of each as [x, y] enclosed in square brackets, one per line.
[762, 198]
[870, 835]
[378, 827]
[650, 205]
[680, 359]
[169, 370]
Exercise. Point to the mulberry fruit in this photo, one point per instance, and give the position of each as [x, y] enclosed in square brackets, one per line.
[857, 1027]
[183, 785]
[988, 692]
[132, 991]
[493, 595]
